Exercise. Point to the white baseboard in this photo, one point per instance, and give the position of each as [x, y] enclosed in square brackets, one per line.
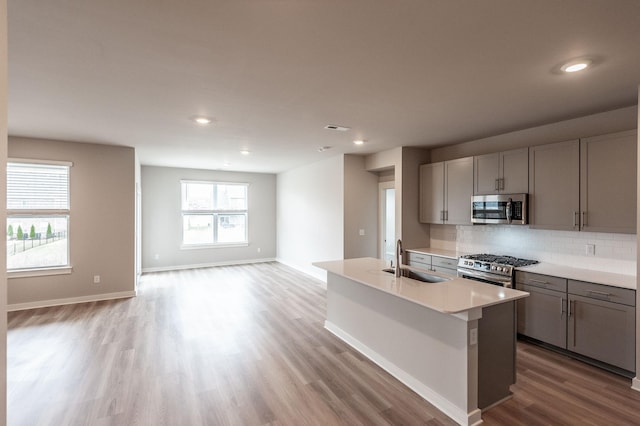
[635, 384]
[453, 411]
[312, 271]
[205, 265]
[69, 301]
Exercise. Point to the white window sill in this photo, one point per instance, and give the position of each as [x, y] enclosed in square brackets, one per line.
[212, 246]
[25, 273]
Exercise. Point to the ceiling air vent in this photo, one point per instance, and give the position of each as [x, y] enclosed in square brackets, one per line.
[337, 128]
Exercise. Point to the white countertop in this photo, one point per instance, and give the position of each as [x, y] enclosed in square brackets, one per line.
[453, 296]
[555, 270]
[598, 277]
[454, 254]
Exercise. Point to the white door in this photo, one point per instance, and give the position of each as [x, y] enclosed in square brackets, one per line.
[387, 214]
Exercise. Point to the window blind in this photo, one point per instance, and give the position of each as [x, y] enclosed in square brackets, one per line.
[37, 187]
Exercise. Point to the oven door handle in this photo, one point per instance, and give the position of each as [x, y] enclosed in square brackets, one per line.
[502, 280]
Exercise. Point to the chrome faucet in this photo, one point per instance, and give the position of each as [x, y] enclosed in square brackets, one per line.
[399, 251]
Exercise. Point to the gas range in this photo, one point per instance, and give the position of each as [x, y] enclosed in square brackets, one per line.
[492, 269]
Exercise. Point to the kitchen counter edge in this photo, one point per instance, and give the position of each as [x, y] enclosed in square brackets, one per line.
[455, 296]
[580, 274]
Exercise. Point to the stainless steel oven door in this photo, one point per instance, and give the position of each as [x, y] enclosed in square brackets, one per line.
[485, 277]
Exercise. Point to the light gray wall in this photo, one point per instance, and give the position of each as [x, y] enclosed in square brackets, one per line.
[3, 186]
[101, 224]
[636, 380]
[414, 233]
[360, 209]
[405, 161]
[310, 215]
[162, 219]
[138, 179]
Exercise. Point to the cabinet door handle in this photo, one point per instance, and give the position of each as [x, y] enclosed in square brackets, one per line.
[446, 215]
[575, 219]
[497, 184]
[569, 302]
[574, 320]
[600, 293]
[502, 183]
[561, 307]
[584, 220]
[539, 281]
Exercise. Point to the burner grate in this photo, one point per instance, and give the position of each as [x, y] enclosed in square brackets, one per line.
[501, 259]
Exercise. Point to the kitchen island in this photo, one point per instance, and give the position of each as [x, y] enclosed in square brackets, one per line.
[452, 342]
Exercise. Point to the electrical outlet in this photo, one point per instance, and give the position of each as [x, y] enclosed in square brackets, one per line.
[259, 249]
[473, 336]
[590, 249]
[96, 279]
[361, 232]
[156, 256]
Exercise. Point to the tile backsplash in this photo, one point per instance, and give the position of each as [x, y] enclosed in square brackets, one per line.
[613, 252]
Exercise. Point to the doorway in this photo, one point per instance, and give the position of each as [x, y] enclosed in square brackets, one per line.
[387, 215]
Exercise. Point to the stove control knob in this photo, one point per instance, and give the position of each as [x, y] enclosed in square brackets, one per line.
[499, 268]
[493, 267]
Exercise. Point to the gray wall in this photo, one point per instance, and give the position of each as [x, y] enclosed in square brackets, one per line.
[360, 209]
[582, 127]
[405, 161]
[162, 220]
[101, 225]
[3, 185]
[414, 234]
[636, 380]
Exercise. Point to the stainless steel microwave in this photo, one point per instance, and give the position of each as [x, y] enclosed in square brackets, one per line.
[500, 208]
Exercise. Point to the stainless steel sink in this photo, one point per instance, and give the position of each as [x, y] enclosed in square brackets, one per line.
[417, 275]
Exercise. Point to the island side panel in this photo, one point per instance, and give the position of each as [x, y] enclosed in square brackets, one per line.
[496, 354]
[425, 349]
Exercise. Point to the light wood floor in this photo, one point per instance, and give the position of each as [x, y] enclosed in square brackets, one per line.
[245, 345]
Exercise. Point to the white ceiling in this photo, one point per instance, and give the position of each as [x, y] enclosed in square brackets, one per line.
[273, 73]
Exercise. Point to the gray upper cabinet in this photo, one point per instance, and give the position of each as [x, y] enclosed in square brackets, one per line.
[554, 185]
[587, 185]
[608, 183]
[432, 193]
[445, 192]
[501, 172]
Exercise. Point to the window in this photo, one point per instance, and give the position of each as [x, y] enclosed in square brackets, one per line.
[37, 215]
[214, 213]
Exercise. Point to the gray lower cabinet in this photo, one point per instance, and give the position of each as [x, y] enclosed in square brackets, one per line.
[542, 315]
[592, 320]
[418, 260]
[441, 264]
[444, 265]
[601, 323]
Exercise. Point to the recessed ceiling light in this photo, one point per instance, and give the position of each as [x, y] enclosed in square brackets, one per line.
[323, 148]
[358, 142]
[226, 164]
[245, 152]
[576, 65]
[201, 120]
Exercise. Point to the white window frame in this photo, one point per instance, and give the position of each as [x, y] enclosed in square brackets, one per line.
[20, 213]
[215, 213]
